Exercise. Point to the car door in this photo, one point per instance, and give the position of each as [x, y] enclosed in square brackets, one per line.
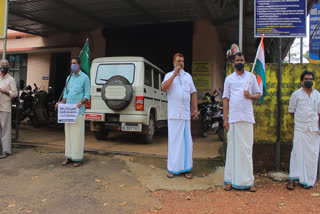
[157, 91]
[148, 86]
[163, 101]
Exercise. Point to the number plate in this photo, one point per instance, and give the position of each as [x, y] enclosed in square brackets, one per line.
[127, 127]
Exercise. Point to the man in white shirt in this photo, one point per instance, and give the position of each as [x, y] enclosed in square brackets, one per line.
[237, 101]
[8, 90]
[180, 88]
[304, 106]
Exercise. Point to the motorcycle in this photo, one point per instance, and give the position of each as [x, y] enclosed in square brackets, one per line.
[211, 115]
[37, 106]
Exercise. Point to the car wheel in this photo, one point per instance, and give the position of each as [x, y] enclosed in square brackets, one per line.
[100, 135]
[150, 130]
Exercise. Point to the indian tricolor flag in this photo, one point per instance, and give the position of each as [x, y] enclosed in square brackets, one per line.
[260, 69]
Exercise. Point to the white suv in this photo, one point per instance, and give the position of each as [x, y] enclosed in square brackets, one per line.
[126, 96]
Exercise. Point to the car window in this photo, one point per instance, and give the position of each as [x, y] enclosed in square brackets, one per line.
[156, 79]
[147, 75]
[106, 71]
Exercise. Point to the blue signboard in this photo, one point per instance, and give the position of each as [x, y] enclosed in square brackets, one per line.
[280, 18]
[314, 44]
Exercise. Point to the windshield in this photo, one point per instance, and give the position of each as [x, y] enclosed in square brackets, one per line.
[106, 71]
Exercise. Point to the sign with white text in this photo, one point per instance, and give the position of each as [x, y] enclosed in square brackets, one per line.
[67, 113]
[280, 18]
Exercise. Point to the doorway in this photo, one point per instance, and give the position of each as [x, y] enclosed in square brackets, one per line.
[156, 43]
[59, 71]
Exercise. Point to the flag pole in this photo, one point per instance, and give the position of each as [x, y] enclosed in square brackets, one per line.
[255, 61]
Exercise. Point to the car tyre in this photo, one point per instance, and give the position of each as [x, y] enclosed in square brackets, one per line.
[150, 129]
[100, 135]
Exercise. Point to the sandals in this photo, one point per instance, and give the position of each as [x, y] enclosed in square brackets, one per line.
[76, 164]
[188, 175]
[66, 162]
[291, 184]
[227, 187]
[4, 155]
[170, 175]
[252, 189]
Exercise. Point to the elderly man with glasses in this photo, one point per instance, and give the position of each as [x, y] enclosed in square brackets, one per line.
[304, 106]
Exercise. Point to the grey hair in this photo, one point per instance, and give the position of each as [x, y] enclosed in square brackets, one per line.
[4, 60]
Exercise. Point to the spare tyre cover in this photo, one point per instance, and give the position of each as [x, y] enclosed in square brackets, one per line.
[117, 93]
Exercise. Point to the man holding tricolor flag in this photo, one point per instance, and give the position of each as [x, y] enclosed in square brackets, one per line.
[240, 88]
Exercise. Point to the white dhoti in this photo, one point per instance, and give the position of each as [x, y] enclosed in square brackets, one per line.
[304, 157]
[179, 146]
[5, 132]
[74, 139]
[238, 170]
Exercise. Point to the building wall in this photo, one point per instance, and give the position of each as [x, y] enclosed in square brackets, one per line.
[39, 50]
[38, 67]
[207, 47]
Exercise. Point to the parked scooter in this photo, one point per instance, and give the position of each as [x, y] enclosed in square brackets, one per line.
[211, 115]
[36, 106]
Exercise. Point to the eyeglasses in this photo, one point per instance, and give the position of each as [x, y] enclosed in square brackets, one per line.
[308, 79]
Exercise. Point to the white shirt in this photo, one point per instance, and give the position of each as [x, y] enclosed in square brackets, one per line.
[240, 108]
[9, 84]
[305, 109]
[178, 95]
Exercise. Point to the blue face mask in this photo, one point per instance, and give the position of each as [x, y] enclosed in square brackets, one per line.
[74, 67]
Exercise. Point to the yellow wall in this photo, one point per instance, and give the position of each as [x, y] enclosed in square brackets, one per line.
[266, 113]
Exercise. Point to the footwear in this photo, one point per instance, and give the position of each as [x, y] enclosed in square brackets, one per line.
[66, 162]
[252, 189]
[291, 184]
[308, 187]
[188, 175]
[170, 175]
[4, 155]
[227, 187]
[77, 164]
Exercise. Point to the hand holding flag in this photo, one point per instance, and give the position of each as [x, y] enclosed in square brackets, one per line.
[259, 68]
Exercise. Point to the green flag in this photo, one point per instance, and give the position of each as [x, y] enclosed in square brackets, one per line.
[85, 58]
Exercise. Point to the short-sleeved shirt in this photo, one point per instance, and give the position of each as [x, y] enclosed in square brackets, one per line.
[78, 87]
[178, 95]
[240, 108]
[306, 110]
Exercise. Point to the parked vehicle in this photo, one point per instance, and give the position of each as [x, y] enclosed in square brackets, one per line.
[126, 96]
[211, 115]
[36, 106]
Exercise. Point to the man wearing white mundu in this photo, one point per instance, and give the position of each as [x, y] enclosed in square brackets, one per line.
[77, 91]
[237, 101]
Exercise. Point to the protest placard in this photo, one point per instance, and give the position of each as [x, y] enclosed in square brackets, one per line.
[67, 113]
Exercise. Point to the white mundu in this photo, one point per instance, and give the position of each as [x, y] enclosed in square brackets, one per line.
[238, 170]
[179, 130]
[305, 151]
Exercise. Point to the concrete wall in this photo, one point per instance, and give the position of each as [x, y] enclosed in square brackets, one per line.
[207, 47]
[38, 67]
[39, 50]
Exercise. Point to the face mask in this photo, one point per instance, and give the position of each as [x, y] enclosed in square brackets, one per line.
[5, 70]
[239, 66]
[308, 84]
[74, 67]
